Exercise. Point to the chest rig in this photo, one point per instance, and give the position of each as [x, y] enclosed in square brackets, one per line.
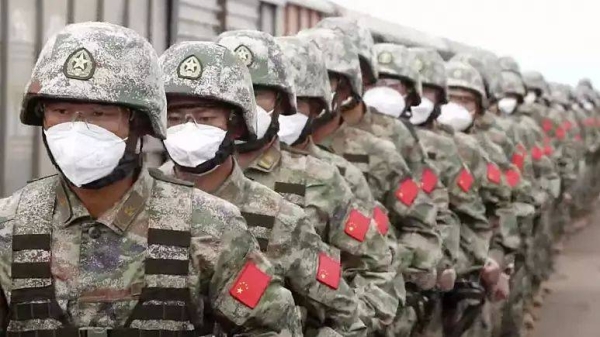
[34, 310]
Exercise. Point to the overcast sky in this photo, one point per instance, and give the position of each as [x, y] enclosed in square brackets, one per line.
[560, 38]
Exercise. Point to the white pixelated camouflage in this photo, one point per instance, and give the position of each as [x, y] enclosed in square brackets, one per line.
[463, 75]
[396, 61]
[98, 62]
[221, 76]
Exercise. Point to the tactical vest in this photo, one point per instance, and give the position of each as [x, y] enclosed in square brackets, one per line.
[33, 294]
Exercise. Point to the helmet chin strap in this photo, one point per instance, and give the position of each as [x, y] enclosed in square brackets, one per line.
[226, 150]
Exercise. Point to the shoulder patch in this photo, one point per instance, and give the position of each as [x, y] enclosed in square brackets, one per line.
[329, 271]
[537, 153]
[428, 181]
[493, 173]
[158, 175]
[465, 180]
[382, 220]
[357, 225]
[512, 177]
[407, 192]
[250, 285]
[519, 160]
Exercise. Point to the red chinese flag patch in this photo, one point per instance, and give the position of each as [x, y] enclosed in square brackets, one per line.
[537, 153]
[548, 150]
[547, 125]
[465, 180]
[250, 285]
[329, 271]
[428, 181]
[382, 220]
[407, 192]
[519, 160]
[512, 177]
[560, 133]
[357, 225]
[493, 173]
[567, 125]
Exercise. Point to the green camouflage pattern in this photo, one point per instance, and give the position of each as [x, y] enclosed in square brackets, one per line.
[98, 62]
[308, 67]
[293, 246]
[385, 169]
[341, 55]
[360, 36]
[221, 76]
[508, 63]
[534, 80]
[98, 278]
[511, 83]
[328, 203]
[264, 58]
[463, 75]
[431, 68]
[394, 60]
[559, 94]
[487, 66]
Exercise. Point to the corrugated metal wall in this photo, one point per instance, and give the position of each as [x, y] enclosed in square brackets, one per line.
[25, 25]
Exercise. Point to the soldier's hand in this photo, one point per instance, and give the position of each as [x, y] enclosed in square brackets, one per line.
[490, 273]
[502, 288]
[446, 279]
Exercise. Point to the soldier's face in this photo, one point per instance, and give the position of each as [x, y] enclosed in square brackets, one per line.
[432, 93]
[113, 118]
[266, 98]
[188, 109]
[466, 98]
[310, 107]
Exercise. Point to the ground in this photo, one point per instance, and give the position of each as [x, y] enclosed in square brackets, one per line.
[572, 309]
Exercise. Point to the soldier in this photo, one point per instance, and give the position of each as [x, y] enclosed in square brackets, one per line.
[412, 212]
[205, 104]
[312, 184]
[108, 247]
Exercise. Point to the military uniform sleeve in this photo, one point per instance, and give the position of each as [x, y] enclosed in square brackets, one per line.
[314, 272]
[412, 211]
[350, 228]
[241, 288]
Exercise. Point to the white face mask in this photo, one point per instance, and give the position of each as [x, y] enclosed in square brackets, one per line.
[507, 105]
[587, 105]
[421, 112]
[191, 144]
[290, 127]
[530, 98]
[456, 116]
[386, 100]
[84, 152]
[263, 119]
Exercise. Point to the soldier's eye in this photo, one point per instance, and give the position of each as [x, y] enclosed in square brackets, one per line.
[98, 113]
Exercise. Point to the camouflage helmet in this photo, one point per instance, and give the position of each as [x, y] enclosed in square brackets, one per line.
[585, 82]
[308, 67]
[508, 63]
[360, 36]
[341, 56]
[511, 83]
[396, 61]
[432, 69]
[208, 70]
[463, 75]
[264, 58]
[98, 62]
[534, 80]
[486, 66]
[558, 94]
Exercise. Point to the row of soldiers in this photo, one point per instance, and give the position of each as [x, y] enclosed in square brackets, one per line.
[317, 184]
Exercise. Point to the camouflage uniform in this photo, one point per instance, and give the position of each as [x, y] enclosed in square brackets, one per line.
[307, 265]
[164, 260]
[412, 211]
[321, 191]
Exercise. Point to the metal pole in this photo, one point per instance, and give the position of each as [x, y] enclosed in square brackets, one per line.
[4, 21]
[37, 134]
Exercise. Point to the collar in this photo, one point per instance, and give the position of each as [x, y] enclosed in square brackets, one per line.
[234, 186]
[118, 218]
[294, 150]
[268, 160]
[329, 141]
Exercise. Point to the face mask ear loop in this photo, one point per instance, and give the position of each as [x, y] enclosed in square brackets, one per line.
[188, 117]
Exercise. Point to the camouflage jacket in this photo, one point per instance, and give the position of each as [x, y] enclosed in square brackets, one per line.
[399, 133]
[328, 203]
[412, 211]
[310, 268]
[100, 267]
[466, 205]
